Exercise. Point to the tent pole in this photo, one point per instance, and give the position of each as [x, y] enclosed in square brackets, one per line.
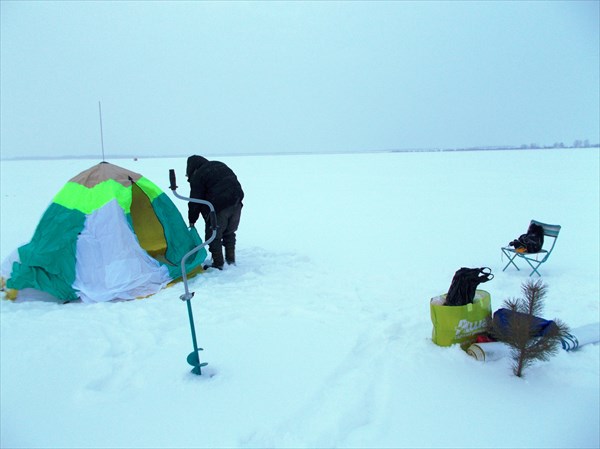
[101, 133]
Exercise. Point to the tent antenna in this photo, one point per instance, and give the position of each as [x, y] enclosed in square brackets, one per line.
[101, 133]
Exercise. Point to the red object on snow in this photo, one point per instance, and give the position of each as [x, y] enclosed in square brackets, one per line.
[484, 338]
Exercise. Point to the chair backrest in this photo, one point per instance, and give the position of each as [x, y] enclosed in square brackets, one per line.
[551, 231]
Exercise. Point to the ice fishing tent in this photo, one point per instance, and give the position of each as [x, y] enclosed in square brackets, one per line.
[109, 234]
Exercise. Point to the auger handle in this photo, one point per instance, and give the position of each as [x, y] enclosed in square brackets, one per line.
[173, 185]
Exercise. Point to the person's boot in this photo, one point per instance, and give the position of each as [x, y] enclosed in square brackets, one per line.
[230, 255]
[217, 260]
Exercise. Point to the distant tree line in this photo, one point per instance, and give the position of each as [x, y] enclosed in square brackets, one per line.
[532, 146]
[576, 144]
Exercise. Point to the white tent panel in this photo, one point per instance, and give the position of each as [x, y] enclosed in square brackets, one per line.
[111, 264]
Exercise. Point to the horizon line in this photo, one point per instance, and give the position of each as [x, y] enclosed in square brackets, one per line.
[301, 153]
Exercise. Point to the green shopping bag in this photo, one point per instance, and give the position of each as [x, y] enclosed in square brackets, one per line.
[459, 324]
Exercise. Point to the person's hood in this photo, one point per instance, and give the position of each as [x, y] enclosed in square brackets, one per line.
[193, 163]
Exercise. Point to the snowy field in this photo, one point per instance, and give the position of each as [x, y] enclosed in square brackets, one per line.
[321, 335]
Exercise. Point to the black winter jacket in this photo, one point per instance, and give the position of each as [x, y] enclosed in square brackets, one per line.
[211, 181]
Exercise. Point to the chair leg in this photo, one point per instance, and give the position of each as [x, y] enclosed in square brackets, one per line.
[534, 268]
[510, 260]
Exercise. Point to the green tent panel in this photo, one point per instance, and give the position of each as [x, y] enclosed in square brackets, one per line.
[109, 233]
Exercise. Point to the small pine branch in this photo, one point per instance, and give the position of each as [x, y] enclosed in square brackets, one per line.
[534, 293]
[520, 332]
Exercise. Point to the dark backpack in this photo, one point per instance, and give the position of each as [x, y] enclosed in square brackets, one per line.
[464, 283]
[531, 242]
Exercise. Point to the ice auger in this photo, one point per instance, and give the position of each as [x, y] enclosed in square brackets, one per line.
[193, 358]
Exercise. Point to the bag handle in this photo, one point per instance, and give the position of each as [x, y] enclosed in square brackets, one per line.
[486, 274]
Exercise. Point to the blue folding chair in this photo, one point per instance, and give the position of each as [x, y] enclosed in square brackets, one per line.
[534, 259]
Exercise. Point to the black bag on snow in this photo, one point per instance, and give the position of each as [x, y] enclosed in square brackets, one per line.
[464, 283]
[531, 242]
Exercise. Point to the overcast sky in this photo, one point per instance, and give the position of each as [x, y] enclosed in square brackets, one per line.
[177, 78]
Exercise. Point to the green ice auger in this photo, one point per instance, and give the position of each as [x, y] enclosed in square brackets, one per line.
[194, 357]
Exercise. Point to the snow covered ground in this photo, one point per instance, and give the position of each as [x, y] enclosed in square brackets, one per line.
[321, 335]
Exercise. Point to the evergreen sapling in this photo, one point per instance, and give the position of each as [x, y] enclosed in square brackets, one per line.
[530, 337]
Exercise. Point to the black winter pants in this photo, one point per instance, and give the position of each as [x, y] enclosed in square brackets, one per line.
[228, 221]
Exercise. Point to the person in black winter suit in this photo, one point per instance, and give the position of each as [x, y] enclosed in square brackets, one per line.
[215, 182]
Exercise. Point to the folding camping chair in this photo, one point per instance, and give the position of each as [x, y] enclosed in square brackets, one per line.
[534, 259]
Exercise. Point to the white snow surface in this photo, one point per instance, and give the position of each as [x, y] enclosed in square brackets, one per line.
[321, 335]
